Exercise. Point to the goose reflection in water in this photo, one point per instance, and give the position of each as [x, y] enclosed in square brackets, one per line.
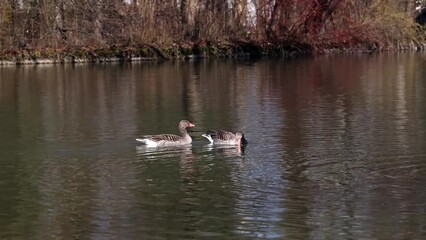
[225, 150]
[167, 157]
[164, 152]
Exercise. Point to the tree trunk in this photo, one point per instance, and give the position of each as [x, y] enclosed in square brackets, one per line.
[411, 8]
[14, 37]
[60, 20]
[276, 15]
[319, 12]
[184, 13]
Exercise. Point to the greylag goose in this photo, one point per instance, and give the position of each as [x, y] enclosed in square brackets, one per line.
[222, 137]
[169, 139]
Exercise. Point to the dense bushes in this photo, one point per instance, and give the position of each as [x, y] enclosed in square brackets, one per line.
[104, 24]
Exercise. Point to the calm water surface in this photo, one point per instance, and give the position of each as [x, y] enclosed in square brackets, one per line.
[337, 150]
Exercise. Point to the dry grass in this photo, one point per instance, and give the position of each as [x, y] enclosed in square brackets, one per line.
[319, 25]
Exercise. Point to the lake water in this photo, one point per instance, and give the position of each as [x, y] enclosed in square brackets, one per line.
[337, 149]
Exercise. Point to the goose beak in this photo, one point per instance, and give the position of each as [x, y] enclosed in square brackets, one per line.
[191, 125]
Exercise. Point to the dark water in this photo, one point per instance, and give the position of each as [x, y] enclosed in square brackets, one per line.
[337, 150]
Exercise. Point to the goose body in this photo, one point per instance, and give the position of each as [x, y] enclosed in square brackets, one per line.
[169, 139]
[222, 137]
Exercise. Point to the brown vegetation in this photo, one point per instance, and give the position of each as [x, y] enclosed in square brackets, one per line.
[69, 29]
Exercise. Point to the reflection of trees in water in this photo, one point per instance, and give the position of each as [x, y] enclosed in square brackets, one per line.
[15, 180]
[64, 111]
[195, 184]
[348, 123]
[172, 182]
[322, 141]
[257, 176]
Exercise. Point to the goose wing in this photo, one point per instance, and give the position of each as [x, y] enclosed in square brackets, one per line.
[221, 135]
[163, 138]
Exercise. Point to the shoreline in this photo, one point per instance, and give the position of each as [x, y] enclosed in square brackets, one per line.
[140, 53]
[152, 53]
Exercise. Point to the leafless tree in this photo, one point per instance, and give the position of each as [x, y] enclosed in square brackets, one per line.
[100, 23]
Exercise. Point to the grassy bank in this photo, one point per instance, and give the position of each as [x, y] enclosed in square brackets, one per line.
[150, 52]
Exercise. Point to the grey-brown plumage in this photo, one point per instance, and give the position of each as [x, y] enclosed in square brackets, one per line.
[169, 139]
[223, 137]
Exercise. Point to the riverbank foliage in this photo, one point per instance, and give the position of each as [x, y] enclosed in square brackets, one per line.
[145, 28]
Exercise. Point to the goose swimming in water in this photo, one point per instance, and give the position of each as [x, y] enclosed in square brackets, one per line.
[222, 137]
[169, 139]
